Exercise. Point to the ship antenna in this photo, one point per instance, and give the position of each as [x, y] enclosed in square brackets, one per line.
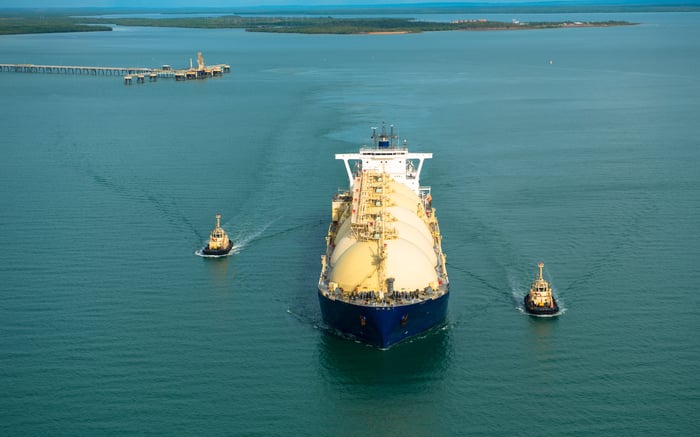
[374, 136]
[540, 265]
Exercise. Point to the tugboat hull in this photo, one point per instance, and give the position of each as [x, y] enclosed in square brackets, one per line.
[383, 326]
[218, 252]
[540, 311]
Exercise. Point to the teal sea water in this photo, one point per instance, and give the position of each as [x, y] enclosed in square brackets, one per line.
[109, 324]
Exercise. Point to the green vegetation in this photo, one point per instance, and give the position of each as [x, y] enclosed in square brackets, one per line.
[398, 25]
[22, 24]
[309, 25]
[330, 25]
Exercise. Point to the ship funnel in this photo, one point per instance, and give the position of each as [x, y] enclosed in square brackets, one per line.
[383, 140]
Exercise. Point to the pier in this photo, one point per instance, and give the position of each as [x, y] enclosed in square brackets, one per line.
[72, 69]
[202, 71]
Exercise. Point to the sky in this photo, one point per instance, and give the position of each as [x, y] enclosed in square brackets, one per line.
[167, 4]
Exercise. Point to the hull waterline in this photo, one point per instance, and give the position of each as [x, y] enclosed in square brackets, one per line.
[383, 326]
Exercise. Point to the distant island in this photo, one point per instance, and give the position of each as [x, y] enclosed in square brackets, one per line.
[331, 25]
[31, 23]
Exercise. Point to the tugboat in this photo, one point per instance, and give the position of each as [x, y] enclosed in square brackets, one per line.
[540, 302]
[219, 243]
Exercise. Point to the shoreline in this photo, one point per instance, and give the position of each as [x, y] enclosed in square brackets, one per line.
[30, 24]
[387, 32]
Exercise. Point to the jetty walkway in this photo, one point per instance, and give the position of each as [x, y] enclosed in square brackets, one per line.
[127, 72]
[72, 69]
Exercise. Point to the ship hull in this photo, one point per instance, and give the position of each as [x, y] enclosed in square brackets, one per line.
[219, 252]
[534, 310]
[383, 326]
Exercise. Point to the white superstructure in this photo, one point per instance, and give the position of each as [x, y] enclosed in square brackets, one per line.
[386, 157]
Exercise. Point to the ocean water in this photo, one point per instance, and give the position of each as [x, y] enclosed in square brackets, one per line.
[576, 147]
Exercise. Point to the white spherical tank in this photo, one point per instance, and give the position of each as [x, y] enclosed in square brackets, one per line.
[405, 262]
[410, 219]
[341, 246]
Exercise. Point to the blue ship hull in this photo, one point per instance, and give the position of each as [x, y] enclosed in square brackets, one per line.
[383, 326]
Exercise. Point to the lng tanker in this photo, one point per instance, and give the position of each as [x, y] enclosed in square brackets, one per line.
[383, 276]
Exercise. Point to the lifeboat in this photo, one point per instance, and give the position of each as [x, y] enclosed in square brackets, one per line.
[540, 301]
[219, 243]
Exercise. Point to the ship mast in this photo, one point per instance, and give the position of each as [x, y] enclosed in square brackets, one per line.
[384, 140]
